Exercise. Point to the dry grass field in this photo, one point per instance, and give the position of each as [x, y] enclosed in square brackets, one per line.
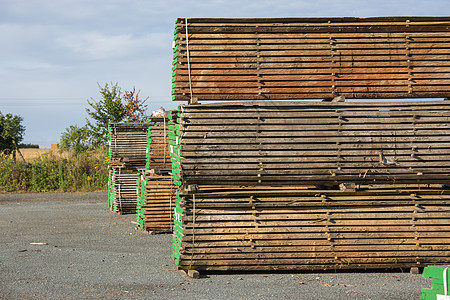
[30, 154]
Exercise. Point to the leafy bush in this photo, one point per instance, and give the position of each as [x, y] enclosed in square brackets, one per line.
[83, 172]
[11, 133]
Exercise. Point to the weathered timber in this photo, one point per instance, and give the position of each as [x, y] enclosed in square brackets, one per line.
[127, 153]
[273, 59]
[260, 185]
[157, 152]
[156, 188]
[399, 227]
[127, 143]
[156, 202]
[122, 190]
[315, 143]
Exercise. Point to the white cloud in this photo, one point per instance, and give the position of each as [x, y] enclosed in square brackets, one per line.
[29, 64]
[17, 38]
[97, 46]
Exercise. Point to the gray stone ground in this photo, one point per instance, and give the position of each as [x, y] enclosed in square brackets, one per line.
[93, 253]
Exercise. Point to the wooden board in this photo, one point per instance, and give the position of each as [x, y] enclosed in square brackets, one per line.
[127, 144]
[122, 190]
[127, 153]
[292, 230]
[156, 202]
[311, 58]
[311, 143]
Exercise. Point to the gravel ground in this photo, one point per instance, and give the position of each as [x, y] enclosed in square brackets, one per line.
[93, 253]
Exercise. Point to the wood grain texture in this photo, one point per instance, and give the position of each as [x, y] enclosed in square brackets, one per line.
[156, 202]
[127, 153]
[264, 230]
[311, 58]
[310, 143]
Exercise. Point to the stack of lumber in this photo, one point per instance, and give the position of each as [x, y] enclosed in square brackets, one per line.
[156, 203]
[174, 145]
[128, 143]
[311, 58]
[156, 191]
[122, 191]
[157, 151]
[175, 134]
[127, 153]
[281, 229]
[316, 143]
[440, 282]
[312, 185]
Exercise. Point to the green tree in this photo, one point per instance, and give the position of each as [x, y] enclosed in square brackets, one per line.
[11, 133]
[113, 107]
[109, 109]
[76, 138]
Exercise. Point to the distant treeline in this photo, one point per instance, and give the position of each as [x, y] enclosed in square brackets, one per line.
[27, 146]
[83, 172]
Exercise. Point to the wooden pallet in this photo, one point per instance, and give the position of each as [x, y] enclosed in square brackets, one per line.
[311, 58]
[293, 230]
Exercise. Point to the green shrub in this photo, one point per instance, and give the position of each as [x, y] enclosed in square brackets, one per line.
[83, 172]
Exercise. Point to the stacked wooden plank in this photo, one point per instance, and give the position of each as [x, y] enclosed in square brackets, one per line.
[123, 192]
[312, 185]
[127, 154]
[128, 143]
[311, 58]
[156, 202]
[157, 153]
[278, 229]
[175, 135]
[316, 143]
[156, 191]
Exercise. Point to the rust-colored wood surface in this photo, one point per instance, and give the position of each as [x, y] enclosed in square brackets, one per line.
[309, 185]
[158, 156]
[157, 203]
[311, 58]
[156, 188]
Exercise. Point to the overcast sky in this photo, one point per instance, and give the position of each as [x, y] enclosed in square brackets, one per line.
[54, 52]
